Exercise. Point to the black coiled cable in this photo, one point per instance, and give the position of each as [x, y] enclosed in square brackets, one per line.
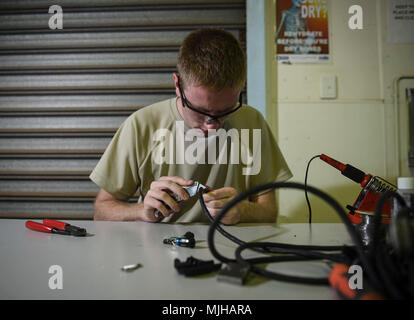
[294, 252]
[376, 261]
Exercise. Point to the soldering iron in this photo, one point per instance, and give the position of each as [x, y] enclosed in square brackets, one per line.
[388, 268]
[372, 189]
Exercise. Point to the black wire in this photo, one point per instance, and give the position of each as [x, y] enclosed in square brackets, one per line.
[274, 248]
[306, 187]
[201, 191]
[293, 249]
[355, 237]
[295, 255]
[378, 262]
[262, 248]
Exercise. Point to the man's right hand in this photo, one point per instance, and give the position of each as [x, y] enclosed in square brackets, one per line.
[159, 197]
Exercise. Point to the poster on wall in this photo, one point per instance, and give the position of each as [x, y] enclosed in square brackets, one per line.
[401, 21]
[302, 34]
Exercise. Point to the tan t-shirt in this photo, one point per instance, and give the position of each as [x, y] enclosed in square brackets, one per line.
[154, 142]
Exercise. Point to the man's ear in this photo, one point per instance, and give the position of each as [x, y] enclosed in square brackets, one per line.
[175, 78]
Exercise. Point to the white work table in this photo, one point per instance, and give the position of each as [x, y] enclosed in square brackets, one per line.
[91, 266]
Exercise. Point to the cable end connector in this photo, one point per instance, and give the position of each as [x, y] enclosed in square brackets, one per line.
[194, 267]
[235, 273]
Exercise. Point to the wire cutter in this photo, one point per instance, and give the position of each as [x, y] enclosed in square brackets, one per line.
[59, 227]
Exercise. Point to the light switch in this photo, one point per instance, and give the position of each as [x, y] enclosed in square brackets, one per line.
[328, 87]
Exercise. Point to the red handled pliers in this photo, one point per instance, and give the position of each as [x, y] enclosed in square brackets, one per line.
[59, 227]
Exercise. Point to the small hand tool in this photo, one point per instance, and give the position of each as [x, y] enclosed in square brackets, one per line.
[54, 226]
[191, 190]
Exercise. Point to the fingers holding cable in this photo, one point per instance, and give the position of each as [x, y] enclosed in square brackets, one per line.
[161, 201]
[173, 186]
[163, 198]
[215, 200]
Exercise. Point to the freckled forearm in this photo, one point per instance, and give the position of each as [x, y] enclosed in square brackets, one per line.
[116, 210]
[251, 211]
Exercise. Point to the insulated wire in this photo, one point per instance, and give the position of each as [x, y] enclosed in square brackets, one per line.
[302, 251]
[377, 264]
[295, 255]
[306, 187]
[376, 261]
[263, 248]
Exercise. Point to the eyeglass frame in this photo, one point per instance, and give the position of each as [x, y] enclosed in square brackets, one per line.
[211, 117]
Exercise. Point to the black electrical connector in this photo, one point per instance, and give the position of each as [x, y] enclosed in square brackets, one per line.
[186, 240]
[195, 267]
[235, 273]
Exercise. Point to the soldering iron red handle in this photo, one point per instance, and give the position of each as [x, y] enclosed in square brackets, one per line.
[348, 171]
[334, 163]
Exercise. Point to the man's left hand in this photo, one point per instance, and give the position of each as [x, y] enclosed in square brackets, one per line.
[215, 201]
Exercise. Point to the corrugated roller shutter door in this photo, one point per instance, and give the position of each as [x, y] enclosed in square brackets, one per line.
[64, 93]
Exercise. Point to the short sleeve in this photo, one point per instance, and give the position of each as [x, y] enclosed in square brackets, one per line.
[273, 166]
[117, 170]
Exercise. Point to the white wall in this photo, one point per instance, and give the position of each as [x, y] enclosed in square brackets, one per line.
[356, 128]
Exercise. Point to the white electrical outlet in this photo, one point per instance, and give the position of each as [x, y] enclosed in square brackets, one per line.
[328, 87]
